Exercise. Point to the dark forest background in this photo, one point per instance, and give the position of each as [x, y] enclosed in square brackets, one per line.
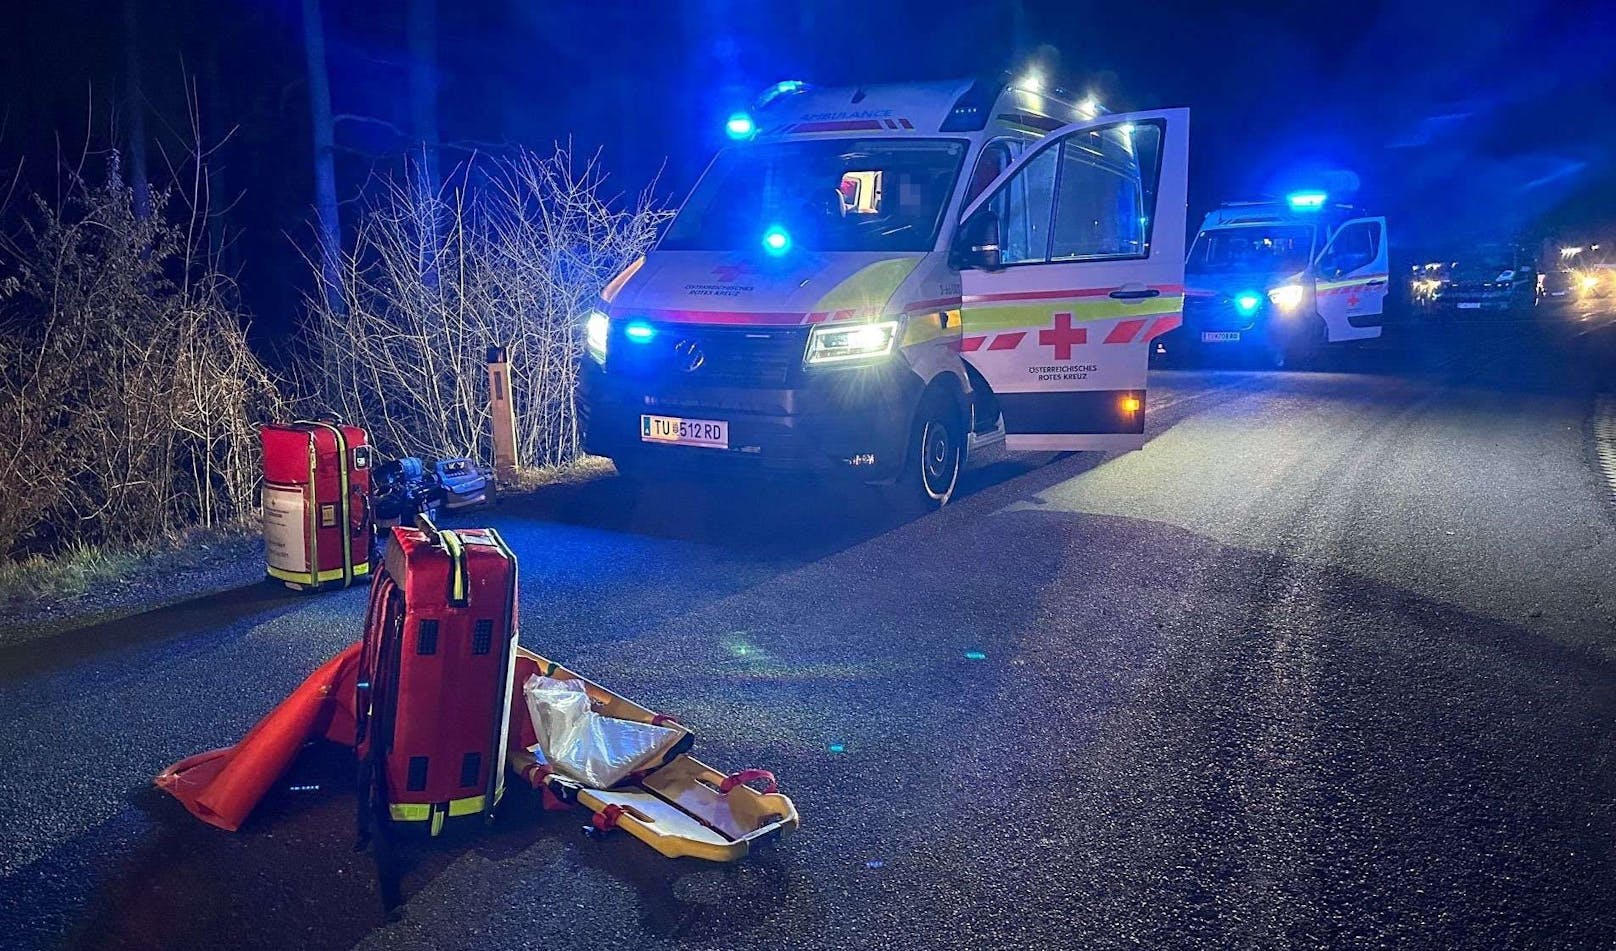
[1461, 121]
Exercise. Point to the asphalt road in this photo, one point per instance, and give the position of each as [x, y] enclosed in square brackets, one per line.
[1328, 664]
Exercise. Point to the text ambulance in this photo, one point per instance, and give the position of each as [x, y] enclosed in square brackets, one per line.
[877, 280]
[1284, 277]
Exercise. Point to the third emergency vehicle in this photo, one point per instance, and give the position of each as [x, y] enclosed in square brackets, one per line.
[876, 280]
[1283, 277]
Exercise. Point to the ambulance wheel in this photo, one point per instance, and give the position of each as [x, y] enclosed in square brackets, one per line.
[932, 464]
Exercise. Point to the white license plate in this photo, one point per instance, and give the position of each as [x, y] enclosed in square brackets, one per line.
[1220, 336]
[1469, 305]
[713, 433]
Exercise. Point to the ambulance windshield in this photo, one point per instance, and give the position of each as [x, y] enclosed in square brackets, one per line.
[1258, 248]
[828, 195]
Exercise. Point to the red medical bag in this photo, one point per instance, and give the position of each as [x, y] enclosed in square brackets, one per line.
[316, 504]
[435, 676]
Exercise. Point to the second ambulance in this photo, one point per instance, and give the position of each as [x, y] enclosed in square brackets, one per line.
[875, 281]
[1282, 278]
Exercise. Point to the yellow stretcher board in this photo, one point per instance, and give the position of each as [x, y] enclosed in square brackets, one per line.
[682, 808]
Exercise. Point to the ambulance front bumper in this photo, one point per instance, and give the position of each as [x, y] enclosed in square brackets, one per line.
[851, 421]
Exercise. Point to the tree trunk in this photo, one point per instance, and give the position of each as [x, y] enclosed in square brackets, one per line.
[136, 103]
[325, 172]
[422, 27]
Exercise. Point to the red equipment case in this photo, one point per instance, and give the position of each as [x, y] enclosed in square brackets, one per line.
[435, 676]
[316, 504]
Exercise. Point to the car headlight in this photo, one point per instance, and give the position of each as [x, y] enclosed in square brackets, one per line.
[832, 343]
[1587, 282]
[1505, 276]
[596, 330]
[1287, 297]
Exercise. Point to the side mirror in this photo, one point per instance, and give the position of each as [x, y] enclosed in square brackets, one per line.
[976, 244]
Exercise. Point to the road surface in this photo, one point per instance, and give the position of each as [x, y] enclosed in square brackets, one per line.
[1328, 664]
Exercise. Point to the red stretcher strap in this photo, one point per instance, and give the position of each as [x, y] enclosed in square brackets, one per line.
[606, 819]
[662, 718]
[746, 776]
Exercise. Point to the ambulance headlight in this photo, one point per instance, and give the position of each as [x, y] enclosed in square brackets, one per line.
[1287, 297]
[833, 343]
[596, 330]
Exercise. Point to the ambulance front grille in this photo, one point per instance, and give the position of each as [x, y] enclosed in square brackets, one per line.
[683, 355]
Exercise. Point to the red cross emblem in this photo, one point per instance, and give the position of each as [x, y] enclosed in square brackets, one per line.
[1352, 297]
[1063, 336]
[727, 273]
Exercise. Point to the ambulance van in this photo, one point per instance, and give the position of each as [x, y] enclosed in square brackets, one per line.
[1283, 277]
[876, 281]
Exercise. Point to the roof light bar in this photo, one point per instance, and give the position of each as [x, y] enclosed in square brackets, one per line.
[1306, 200]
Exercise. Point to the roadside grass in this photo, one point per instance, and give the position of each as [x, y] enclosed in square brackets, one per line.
[582, 469]
[81, 567]
[68, 572]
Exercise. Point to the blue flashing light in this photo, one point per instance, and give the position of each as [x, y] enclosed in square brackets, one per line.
[1306, 201]
[776, 240]
[838, 748]
[740, 126]
[786, 87]
[1247, 302]
[975, 655]
[639, 331]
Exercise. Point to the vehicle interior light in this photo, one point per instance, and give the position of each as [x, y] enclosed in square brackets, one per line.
[1306, 200]
[740, 126]
[639, 331]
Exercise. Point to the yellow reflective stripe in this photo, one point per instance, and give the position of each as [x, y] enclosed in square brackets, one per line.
[928, 327]
[312, 505]
[304, 577]
[422, 811]
[469, 806]
[1010, 316]
[870, 287]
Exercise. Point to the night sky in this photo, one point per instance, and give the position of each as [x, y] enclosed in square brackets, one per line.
[1460, 125]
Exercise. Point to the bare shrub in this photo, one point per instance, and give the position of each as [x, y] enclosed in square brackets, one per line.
[512, 251]
[128, 396]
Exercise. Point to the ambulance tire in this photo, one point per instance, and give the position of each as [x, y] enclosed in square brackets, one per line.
[935, 456]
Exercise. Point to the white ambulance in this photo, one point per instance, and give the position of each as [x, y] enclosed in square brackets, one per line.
[1284, 277]
[876, 280]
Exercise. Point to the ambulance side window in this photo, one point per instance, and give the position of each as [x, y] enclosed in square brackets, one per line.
[990, 164]
[1354, 246]
[1025, 205]
[1105, 195]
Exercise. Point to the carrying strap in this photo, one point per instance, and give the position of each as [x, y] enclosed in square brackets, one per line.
[343, 494]
[606, 819]
[746, 776]
[459, 582]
